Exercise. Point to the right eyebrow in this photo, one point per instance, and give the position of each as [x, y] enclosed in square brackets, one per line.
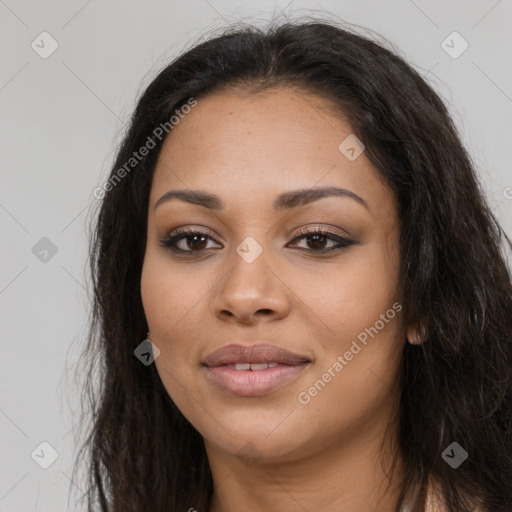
[287, 200]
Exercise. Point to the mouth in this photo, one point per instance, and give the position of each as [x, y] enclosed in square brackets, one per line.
[253, 370]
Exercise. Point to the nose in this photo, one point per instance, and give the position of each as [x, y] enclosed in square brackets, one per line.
[251, 292]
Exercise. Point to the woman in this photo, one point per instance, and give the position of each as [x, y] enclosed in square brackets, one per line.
[295, 230]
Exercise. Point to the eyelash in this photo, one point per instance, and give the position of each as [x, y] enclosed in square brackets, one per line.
[182, 233]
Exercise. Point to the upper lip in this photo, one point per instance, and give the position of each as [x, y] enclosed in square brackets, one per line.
[260, 353]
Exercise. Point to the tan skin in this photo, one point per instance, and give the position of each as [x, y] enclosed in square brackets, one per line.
[329, 454]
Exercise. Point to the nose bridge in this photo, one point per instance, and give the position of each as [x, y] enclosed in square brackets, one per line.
[249, 249]
[250, 285]
[249, 270]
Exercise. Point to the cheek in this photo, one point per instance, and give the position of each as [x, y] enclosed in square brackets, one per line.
[354, 384]
[360, 312]
[351, 295]
[168, 299]
[173, 299]
[168, 295]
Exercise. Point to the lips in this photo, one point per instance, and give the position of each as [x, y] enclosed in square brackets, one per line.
[253, 370]
[253, 354]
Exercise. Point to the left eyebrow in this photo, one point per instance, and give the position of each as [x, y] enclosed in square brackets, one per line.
[285, 201]
[305, 196]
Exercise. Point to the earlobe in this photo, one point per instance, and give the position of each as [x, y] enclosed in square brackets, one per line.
[413, 336]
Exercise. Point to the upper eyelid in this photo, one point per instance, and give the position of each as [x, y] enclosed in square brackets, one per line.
[306, 230]
[182, 232]
[340, 241]
[191, 229]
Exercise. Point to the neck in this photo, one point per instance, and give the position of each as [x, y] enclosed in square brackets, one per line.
[345, 476]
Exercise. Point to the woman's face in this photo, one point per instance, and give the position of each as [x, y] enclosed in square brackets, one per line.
[257, 274]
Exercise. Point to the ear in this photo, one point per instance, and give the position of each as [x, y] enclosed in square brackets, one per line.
[413, 336]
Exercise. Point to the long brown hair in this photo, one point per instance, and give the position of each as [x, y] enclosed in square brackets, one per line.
[141, 453]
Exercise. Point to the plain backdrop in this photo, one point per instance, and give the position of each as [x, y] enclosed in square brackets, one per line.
[61, 118]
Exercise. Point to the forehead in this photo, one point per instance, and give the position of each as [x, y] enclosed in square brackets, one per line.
[252, 147]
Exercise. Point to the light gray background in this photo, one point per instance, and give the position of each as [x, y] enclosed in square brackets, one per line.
[61, 118]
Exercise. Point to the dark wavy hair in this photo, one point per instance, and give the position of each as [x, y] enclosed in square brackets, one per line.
[141, 453]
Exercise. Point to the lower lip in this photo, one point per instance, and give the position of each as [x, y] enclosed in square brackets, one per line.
[254, 382]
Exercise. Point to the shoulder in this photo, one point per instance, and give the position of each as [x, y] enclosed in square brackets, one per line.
[435, 501]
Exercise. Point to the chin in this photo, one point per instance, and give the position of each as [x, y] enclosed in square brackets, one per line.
[252, 441]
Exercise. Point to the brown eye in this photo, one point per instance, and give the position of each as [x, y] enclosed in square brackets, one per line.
[316, 240]
[191, 241]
